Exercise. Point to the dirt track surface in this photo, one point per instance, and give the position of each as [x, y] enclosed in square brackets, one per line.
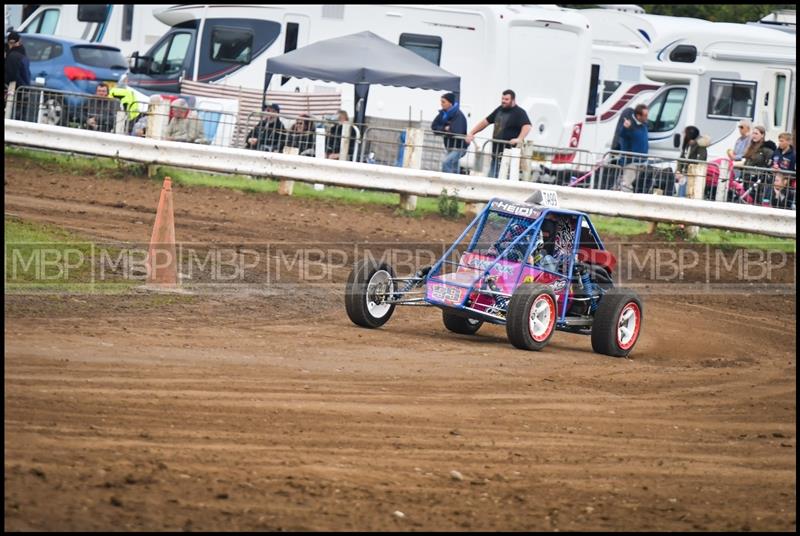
[256, 410]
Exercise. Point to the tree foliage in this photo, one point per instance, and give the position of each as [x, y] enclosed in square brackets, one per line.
[739, 13]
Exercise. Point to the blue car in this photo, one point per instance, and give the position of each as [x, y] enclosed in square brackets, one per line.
[72, 65]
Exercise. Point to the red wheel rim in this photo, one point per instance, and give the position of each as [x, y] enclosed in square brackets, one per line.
[628, 324]
[542, 317]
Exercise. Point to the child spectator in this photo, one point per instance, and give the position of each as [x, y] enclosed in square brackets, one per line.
[784, 158]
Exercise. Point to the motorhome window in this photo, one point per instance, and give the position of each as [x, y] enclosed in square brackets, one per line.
[168, 58]
[127, 22]
[683, 54]
[93, 12]
[665, 110]
[780, 94]
[609, 87]
[232, 45]
[177, 53]
[427, 46]
[108, 58]
[731, 99]
[594, 82]
[41, 50]
[44, 23]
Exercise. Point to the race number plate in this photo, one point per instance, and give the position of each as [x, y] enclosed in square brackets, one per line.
[549, 198]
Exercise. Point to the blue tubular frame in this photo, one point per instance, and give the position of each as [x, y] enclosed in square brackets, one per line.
[532, 231]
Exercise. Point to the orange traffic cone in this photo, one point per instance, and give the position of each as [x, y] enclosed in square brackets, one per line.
[162, 262]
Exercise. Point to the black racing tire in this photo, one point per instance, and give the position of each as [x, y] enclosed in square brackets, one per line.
[360, 309]
[609, 336]
[461, 324]
[522, 330]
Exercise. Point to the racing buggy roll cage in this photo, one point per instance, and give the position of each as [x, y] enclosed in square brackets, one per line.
[517, 282]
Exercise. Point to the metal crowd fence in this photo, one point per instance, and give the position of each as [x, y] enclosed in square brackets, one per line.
[121, 115]
[305, 135]
[420, 148]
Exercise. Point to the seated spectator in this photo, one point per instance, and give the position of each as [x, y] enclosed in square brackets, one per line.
[334, 145]
[269, 134]
[139, 127]
[779, 194]
[184, 125]
[302, 135]
[742, 142]
[694, 148]
[784, 158]
[100, 112]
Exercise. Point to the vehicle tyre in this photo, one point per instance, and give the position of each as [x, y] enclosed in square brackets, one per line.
[367, 281]
[617, 323]
[531, 318]
[461, 324]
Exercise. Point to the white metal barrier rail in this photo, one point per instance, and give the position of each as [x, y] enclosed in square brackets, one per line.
[755, 219]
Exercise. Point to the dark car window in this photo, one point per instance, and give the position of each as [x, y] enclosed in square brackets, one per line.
[41, 49]
[95, 56]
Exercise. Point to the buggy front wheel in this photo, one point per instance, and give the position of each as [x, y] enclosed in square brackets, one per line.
[368, 288]
[531, 317]
[617, 323]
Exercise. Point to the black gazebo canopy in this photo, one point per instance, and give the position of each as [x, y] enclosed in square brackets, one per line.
[362, 59]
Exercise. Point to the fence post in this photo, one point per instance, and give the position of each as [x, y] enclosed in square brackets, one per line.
[505, 162]
[651, 227]
[157, 119]
[513, 162]
[412, 158]
[696, 179]
[319, 150]
[11, 97]
[723, 182]
[344, 147]
[473, 209]
[526, 167]
[286, 186]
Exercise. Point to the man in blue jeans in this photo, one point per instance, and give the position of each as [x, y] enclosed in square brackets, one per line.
[452, 125]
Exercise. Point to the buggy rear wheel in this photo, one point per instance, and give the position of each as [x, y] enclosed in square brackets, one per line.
[461, 324]
[367, 289]
[617, 323]
[531, 317]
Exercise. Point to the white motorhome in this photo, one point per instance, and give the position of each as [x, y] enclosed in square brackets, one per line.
[128, 27]
[542, 54]
[690, 72]
[716, 76]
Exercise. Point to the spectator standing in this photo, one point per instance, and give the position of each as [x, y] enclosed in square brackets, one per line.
[511, 123]
[695, 147]
[758, 155]
[302, 136]
[269, 134]
[742, 142]
[633, 139]
[100, 112]
[18, 70]
[784, 158]
[184, 125]
[452, 125]
[334, 145]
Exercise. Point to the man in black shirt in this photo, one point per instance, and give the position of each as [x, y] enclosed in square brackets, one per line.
[511, 123]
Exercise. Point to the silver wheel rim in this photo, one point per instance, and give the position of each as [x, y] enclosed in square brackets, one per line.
[473, 322]
[380, 284]
[539, 321]
[626, 327]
